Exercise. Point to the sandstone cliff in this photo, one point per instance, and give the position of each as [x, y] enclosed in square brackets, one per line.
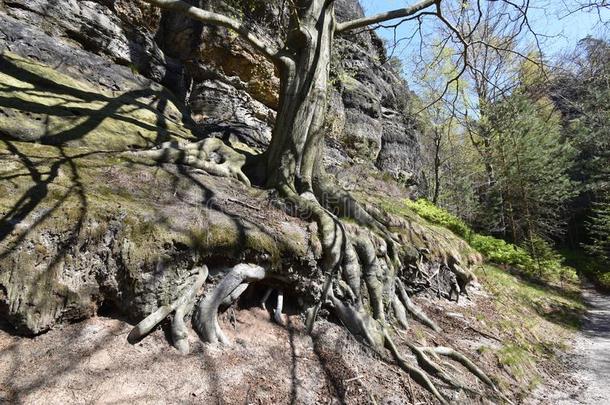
[83, 227]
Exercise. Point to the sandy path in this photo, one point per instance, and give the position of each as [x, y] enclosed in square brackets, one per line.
[590, 362]
[595, 349]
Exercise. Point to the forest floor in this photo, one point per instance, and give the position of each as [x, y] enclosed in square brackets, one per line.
[514, 330]
[589, 364]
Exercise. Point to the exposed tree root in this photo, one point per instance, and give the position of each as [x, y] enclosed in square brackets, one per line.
[234, 296]
[277, 313]
[263, 301]
[206, 315]
[414, 309]
[332, 236]
[363, 252]
[182, 306]
[361, 266]
[358, 322]
[211, 155]
[469, 365]
[415, 373]
[400, 312]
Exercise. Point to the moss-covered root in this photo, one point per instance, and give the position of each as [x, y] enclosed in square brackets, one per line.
[211, 155]
[332, 235]
[206, 316]
[182, 306]
[400, 312]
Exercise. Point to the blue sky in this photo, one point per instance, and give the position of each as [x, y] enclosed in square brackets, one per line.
[549, 17]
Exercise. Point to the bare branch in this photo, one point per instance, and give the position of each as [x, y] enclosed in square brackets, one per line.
[211, 18]
[390, 15]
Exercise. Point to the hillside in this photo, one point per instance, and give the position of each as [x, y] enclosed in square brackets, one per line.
[154, 192]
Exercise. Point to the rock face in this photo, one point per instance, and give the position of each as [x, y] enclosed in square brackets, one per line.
[81, 227]
[375, 102]
[230, 90]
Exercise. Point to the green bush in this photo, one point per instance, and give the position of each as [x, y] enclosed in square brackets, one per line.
[591, 267]
[604, 280]
[537, 257]
[439, 216]
[547, 263]
[499, 251]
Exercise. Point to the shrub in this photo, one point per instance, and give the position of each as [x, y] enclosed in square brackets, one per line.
[500, 251]
[604, 280]
[536, 257]
[439, 216]
[547, 262]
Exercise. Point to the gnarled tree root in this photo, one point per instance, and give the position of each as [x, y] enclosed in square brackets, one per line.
[360, 264]
[468, 364]
[206, 315]
[414, 309]
[414, 372]
[400, 312]
[211, 155]
[181, 306]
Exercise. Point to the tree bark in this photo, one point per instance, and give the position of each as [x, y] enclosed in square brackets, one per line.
[437, 166]
[297, 137]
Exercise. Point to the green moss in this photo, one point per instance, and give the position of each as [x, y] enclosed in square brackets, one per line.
[44, 104]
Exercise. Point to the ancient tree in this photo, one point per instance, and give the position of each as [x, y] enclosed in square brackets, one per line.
[360, 251]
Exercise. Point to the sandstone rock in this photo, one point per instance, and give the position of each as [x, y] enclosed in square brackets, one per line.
[81, 227]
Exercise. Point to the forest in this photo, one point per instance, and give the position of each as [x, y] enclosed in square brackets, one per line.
[518, 150]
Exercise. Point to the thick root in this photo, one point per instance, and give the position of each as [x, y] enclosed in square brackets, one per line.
[463, 360]
[358, 322]
[147, 324]
[234, 296]
[432, 368]
[415, 373]
[182, 306]
[206, 317]
[372, 272]
[400, 312]
[332, 236]
[277, 314]
[179, 331]
[211, 155]
[414, 309]
[263, 301]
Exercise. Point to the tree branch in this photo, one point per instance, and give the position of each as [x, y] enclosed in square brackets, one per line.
[208, 17]
[390, 15]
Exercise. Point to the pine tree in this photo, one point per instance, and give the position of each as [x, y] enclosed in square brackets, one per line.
[599, 231]
[532, 162]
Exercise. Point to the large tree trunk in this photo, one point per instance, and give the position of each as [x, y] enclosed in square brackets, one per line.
[297, 140]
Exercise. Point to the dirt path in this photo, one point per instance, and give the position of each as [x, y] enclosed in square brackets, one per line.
[590, 362]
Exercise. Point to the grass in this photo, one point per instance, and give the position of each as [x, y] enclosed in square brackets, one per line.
[533, 320]
[561, 305]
